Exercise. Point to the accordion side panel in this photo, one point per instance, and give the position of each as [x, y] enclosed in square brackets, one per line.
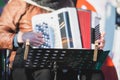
[84, 18]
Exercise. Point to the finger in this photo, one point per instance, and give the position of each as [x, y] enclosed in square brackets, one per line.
[100, 47]
[102, 35]
[100, 43]
[36, 43]
[39, 35]
[38, 40]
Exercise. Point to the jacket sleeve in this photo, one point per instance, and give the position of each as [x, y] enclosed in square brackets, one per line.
[9, 22]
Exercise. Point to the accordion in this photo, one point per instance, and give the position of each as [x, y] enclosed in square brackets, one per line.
[66, 32]
[69, 28]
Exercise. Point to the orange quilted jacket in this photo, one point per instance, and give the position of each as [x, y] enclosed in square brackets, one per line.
[16, 15]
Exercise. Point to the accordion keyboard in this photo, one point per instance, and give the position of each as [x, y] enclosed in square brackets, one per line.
[48, 35]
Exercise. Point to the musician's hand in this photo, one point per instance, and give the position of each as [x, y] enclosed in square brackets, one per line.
[101, 41]
[36, 39]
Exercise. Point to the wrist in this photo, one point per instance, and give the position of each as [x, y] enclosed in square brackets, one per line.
[19, 37]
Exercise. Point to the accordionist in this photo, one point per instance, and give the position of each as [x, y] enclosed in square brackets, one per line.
[15, 29]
